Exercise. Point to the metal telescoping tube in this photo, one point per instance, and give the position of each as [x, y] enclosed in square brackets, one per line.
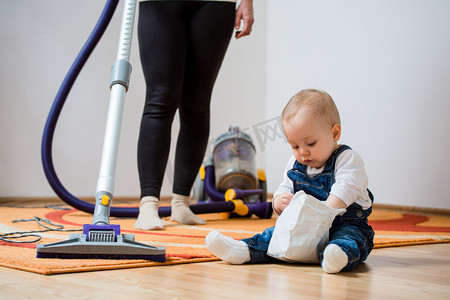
[120, 79]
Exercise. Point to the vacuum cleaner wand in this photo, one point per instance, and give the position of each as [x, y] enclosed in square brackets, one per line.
[101, 239]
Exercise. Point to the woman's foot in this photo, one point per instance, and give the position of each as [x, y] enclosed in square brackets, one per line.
[148, 218]
[181, 212]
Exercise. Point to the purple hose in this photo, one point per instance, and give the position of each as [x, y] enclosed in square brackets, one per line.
[209, 184]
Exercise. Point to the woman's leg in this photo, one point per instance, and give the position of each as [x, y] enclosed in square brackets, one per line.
[210, 29]
[162, 44]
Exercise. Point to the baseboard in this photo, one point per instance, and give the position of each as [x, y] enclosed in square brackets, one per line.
[56, 200]
[135, 200]
[426, 210]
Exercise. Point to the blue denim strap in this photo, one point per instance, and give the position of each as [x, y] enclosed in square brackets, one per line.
[319, 185]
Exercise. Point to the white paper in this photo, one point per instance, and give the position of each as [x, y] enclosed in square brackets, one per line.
[301, 231]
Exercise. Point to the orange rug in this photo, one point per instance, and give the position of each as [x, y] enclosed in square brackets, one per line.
[186, 244]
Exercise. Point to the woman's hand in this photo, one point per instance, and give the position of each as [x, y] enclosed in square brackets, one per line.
[281, 201]
[244, 12]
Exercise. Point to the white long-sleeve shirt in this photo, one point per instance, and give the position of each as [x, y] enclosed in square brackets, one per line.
[350, 179]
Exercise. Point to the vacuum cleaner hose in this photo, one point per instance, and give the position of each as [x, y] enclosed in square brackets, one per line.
[58, 103]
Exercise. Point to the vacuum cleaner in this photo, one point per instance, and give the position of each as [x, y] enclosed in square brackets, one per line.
[230, 174]
[100, 240]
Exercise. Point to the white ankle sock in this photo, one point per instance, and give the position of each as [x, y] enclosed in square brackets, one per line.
[229, 250]
[181, 212]
[334, 259]
[148, 218]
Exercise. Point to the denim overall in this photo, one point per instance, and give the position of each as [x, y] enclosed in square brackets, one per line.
[350, 232]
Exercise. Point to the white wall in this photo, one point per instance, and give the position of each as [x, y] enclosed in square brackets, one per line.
[39, 41]
[387, 65]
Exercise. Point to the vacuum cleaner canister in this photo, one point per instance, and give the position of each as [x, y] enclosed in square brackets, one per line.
[234, 161]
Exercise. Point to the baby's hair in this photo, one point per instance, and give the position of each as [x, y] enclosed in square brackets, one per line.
[319, 102]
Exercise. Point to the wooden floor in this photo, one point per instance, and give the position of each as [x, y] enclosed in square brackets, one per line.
[413, 272]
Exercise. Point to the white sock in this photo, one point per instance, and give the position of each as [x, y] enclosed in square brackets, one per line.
[334, 259]
[181, 212]
[227, 249]
[148, 218]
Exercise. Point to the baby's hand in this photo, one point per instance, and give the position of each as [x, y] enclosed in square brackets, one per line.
[281, 201]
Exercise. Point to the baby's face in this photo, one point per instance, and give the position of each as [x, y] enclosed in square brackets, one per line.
[312, 140]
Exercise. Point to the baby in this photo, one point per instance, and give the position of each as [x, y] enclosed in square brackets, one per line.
[324, 169]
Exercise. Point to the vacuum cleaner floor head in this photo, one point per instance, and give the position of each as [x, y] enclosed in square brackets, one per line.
[123, 246]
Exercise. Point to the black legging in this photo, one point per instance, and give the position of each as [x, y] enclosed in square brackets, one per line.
[182, 46]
